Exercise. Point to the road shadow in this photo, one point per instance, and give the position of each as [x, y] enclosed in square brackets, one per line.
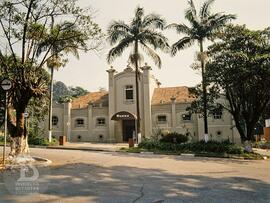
[95, 183]
[185, 158]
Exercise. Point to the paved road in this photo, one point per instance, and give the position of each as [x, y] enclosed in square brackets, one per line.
[81, 176]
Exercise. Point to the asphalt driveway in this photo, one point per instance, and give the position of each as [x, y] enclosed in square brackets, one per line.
[85, 176]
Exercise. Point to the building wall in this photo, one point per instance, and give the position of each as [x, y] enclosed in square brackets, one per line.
[219, 129]
[57, 130]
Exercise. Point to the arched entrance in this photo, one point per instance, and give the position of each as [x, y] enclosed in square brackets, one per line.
[128, 121]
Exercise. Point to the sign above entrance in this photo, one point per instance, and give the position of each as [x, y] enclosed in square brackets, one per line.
[123, 115]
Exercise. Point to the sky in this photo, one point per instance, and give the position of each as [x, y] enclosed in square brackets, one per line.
[89, 71]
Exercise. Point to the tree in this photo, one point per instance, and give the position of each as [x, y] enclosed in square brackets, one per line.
[59, 89]
[76, 92]
[203, 25]
[62, 93]
[141, 32]
[239, 67]
[34, 33]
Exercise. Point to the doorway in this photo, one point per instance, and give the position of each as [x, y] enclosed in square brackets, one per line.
[128, 129]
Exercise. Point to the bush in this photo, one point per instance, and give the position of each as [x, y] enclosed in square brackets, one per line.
[174, 138]
[41, 141]
[195, 147]
[261, 145]
[148, 144]
[2, 139]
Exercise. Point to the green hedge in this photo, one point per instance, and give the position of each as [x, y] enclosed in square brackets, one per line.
[196, 147]
[33, 140]
[41, 141]
[174, 138]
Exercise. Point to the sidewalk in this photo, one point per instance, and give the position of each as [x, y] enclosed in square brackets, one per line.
[263, 152]
[90, 146]
[85, 146]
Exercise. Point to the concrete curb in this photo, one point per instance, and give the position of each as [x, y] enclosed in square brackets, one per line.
[69, 148]
[82, 149]
[39, 162]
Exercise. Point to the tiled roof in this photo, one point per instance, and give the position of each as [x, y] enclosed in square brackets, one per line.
[93, 97]
[164, 95]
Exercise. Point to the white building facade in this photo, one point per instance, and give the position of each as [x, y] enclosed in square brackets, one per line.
[110, 116]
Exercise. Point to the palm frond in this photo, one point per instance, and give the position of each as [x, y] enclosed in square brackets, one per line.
[135, 58]
[151, 53]
[137, 20]
[181, 44]
[117, 31]
[191, 13]
[118, 25]
[180, 28]
[119, 48]
[154, 21]
[139, 12]
[205, 9]
[156, 39]
[218, 20]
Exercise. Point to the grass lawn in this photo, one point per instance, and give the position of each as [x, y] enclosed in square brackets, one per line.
[243, 155]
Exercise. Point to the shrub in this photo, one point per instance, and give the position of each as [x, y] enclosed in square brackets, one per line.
[174, 138]
[41, 141]
[195, 147]
[261, 145]
[2, 139]
[148, 144]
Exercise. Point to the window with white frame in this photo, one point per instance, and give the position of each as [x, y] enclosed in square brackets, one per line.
[162, 119]
[79, 122]
[129, 93]
[101, 121]
[186, 117]
[217, 115]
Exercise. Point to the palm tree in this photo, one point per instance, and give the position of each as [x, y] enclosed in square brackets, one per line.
[203, 25]
[63, 45]
[140, 33]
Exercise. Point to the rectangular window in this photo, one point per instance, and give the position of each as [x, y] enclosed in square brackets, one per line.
[54, 120]
[101, 121]
[162, 119]
[79, 122]
[186, 117]
[129, 92]
[217, 115]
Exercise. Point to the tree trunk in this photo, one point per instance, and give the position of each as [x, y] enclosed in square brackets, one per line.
[204, 92]
[19, 141]
[19, 146]
[50, 106]
[250, 132]
[240, 129]
[136, 52]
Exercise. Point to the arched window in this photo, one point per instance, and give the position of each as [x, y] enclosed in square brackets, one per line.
[79, 122]
[54, 120]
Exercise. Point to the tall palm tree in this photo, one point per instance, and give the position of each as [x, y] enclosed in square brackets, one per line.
[203, 25]
[63, 45]
[142, 33]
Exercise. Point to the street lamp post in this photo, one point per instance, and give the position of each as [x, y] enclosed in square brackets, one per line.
[6, 86]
